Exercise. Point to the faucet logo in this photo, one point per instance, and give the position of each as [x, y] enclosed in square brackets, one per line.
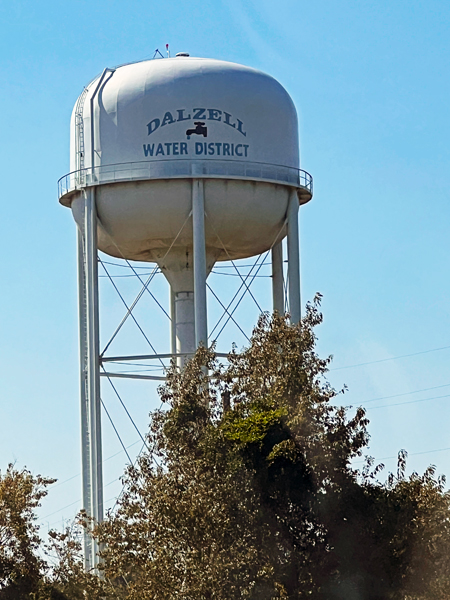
[200, 129]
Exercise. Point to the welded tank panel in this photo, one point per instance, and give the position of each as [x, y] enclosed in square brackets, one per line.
[190, 109]
[141, 220]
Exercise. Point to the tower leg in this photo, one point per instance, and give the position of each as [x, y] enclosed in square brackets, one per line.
[277, 278]
[90, 374]
[293, 258]
[184, 326]
[84, 396]
[198, 219]
[173, 322]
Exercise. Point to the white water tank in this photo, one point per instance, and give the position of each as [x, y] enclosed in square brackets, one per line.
[182, 162]
[141, 132]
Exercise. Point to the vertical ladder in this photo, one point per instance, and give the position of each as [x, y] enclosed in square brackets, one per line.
[79, 139]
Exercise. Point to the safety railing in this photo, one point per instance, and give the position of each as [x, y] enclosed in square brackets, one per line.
[183, 168]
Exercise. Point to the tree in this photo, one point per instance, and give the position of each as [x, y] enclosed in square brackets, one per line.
[247, 490]
[29, 568]
[22, 570]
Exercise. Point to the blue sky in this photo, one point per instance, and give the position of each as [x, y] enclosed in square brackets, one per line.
[371, 84]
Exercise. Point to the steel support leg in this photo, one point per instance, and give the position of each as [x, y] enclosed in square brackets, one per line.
[85, 447]
[293, 249]
[173, 322]
[277, 278]
[90, 374]
[198, 219]
[185, 326]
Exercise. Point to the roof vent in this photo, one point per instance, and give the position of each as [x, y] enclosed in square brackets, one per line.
[182, 54]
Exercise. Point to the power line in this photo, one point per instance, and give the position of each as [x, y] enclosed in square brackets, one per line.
[79, 500]
[409, 454]
[409, 402]
[65, 481]
[122, 444]
[60, 509]
[124, 449]
[73, 477]
[417, 453]
[103, 461]
[436, 387]
[373, 362]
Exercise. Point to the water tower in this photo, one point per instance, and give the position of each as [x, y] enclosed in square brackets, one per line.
[180, 162]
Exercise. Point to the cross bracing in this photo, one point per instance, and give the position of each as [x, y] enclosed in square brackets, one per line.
[136, 347]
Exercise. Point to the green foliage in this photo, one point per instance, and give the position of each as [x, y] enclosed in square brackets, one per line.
[247, 490]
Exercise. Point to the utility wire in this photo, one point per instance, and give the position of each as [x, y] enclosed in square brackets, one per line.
[103, 461]
[79, 500]
[409, 402]
[417, 453]
[436, 387]
[65, 481]
[373, 362]
[409, 454]
[74, 476]
[60, 509]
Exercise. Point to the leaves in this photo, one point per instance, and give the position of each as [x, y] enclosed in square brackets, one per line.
[247, 490]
